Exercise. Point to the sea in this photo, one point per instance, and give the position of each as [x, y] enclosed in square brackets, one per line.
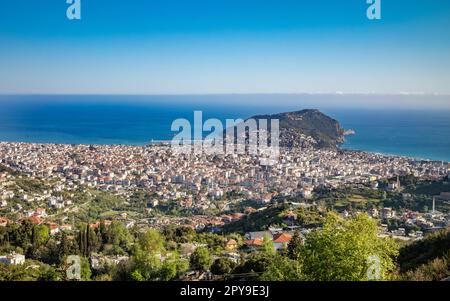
[139, 120]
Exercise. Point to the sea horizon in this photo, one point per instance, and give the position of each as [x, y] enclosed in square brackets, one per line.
[422, 134]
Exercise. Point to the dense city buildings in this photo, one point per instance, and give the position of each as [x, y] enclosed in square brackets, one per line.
[199, 183]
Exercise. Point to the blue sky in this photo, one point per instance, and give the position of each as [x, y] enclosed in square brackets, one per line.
[224, 46]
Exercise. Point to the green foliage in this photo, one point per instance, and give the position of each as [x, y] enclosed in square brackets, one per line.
[68, 246]
[137, 276]
[85, 270]
[295, 246]
[201, 259]
[95, 203]
[222, 266]
[310, 217]
[267, 246]
[168, 270]
[49, 273]
[89, 240]
[32, 240]
[429, 188]
[40, 235]
[214, 241]
[30, 271]
[182, 266]
[118, 236]
[340, 251]
[30, 185]
[103, 277]
[254, 265]
[179, 234]
[282, 268]
[106, 201]
[259, 220]
[420, 252]
[435, 270]
[337, 251]
[151, 241]
[325, 130]
[173, 267]
[145, 266]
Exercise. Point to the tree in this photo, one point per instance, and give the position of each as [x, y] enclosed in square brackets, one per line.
[173, 267]
[267, 246]
[168, 270]
[137, 276]
[85, 270]
[435, 270]
[180, 234]
[295, 246]
[201, 259]
[21, 235]
[145, 266]
[66, 247]
[48, 273]
[347, 250]
[182, 266]
[310, 217]
[118, 236]
[222, 266]
[281, 268]
[4, 236]
[256, 263]
[40, 235]
[83, 239]
[94, 241]
[435, 245]
[151, 241]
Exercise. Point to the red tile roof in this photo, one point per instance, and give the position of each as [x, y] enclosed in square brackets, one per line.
[231, 242]
[254, 242]
[282, 238]
[35, 220]
[4, 221]
[52, 226]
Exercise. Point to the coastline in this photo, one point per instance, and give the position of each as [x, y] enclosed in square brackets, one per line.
[419, 159]
[72, 120]
[167, 143]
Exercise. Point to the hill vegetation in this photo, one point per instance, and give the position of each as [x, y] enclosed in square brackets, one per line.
[326, 131]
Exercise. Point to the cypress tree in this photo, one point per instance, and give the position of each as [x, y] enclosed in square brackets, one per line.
[87, 240]
[294, 246]
[81, 238]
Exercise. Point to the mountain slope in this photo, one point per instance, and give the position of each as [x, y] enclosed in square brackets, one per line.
[307, 128]
[421, 252]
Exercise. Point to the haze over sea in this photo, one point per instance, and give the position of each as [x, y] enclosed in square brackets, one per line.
[136, 120]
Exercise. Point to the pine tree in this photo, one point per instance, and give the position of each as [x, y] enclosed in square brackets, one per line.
[294, 246]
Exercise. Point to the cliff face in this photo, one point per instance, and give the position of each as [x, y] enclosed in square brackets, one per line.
[307, 128]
